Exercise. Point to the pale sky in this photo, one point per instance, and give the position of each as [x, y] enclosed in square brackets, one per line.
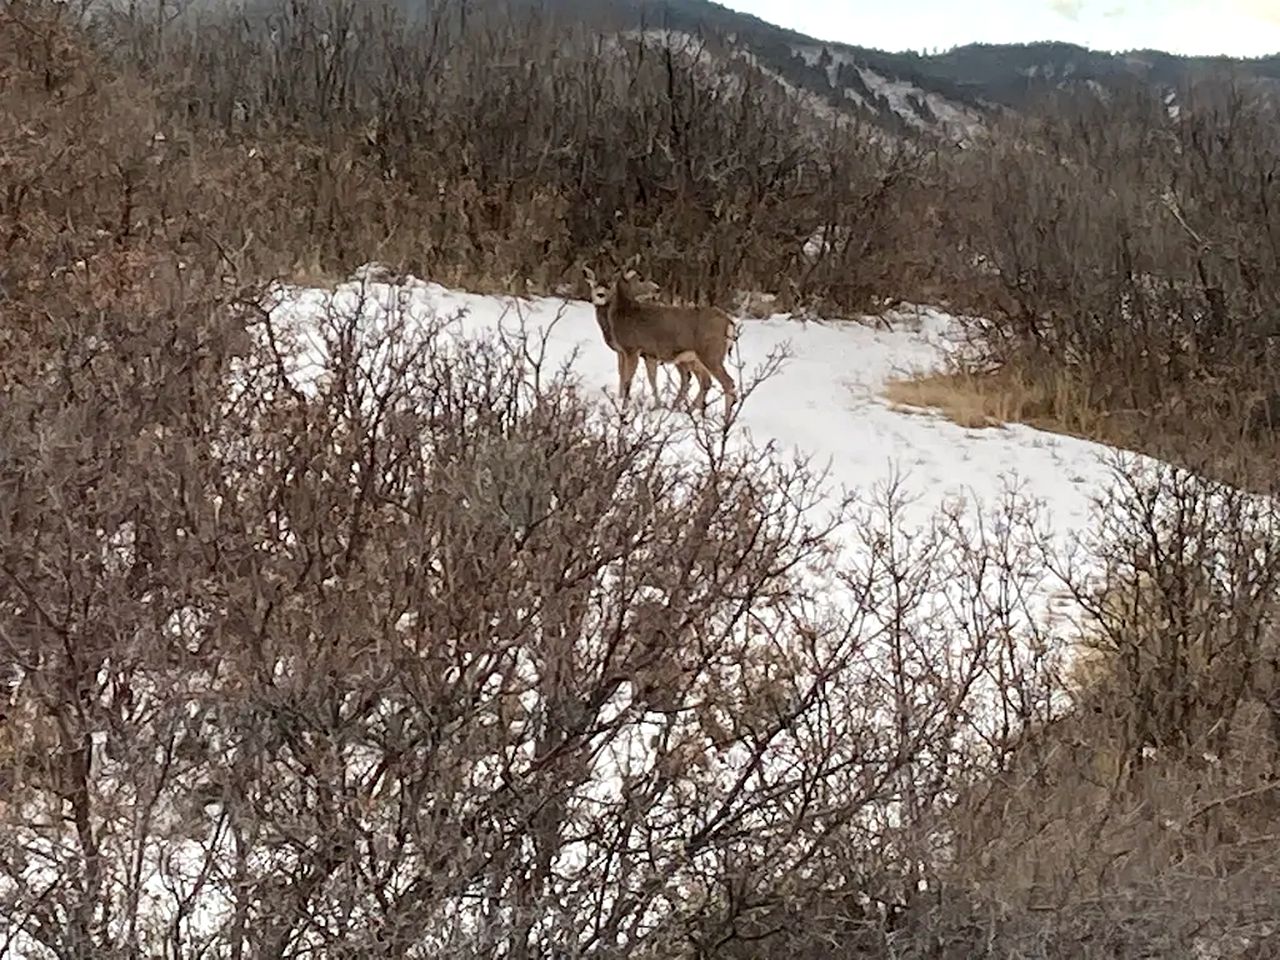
[1242, 28]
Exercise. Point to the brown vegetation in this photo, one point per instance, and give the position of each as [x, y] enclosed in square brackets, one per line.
[421, 659]
[1128, 268]
[501, 148]
[991, 399]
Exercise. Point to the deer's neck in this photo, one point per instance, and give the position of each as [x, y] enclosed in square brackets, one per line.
[606, 325]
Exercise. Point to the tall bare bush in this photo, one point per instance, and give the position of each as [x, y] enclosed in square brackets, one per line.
[1127, 258]
[505, 145]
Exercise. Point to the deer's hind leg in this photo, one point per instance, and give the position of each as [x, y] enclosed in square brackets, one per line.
[690, 362]
[717, 370]
[684, 383]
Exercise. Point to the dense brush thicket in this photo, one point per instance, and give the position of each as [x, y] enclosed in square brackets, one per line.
[1131, 253]
[504, 146]
[420, 658]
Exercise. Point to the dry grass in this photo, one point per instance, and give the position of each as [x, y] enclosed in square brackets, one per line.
[966, 400]
[995, 400]
[982, 400]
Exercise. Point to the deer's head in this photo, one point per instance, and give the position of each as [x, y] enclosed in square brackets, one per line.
[626, 280]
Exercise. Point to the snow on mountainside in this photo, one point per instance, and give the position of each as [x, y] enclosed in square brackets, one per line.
[825, 403]
[877, 95]
[727, 67]
[952, 94]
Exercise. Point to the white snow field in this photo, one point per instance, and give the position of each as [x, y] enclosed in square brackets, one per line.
[825, 402]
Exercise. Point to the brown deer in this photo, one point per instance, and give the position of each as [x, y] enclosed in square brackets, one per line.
[693, 338]
[641, 291]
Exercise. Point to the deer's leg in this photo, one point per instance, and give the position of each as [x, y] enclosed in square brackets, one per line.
[622, 369]
[651, 368]
[685, 362]
[684, 384]
[704, 384]
[687, 371]
[627, 363]
[730, 389]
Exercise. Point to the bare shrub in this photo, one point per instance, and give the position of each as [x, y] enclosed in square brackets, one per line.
[1183, 613]
[410, 650]
[379, 134]
[1141, 819]
[1126, 255]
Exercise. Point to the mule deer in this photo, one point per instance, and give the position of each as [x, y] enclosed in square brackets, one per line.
[641, 291]
[693, 338]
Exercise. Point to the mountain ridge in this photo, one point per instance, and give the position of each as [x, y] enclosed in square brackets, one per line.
[951, 94]
[945, 92]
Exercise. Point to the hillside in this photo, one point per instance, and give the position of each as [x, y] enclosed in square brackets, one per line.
[346, 619]
[814, 390]
[946, 92]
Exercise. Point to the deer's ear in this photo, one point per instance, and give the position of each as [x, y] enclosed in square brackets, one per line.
[629, 274]
[589, 274]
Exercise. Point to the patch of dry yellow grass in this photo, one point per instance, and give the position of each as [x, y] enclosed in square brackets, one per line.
[984, 400]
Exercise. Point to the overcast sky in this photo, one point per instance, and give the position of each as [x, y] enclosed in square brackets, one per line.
[1245, 28]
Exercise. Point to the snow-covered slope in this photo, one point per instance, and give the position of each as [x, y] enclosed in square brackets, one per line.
[915, 107]
[825, 402]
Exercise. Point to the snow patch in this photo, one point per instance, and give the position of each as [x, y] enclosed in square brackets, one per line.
[826, 402]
